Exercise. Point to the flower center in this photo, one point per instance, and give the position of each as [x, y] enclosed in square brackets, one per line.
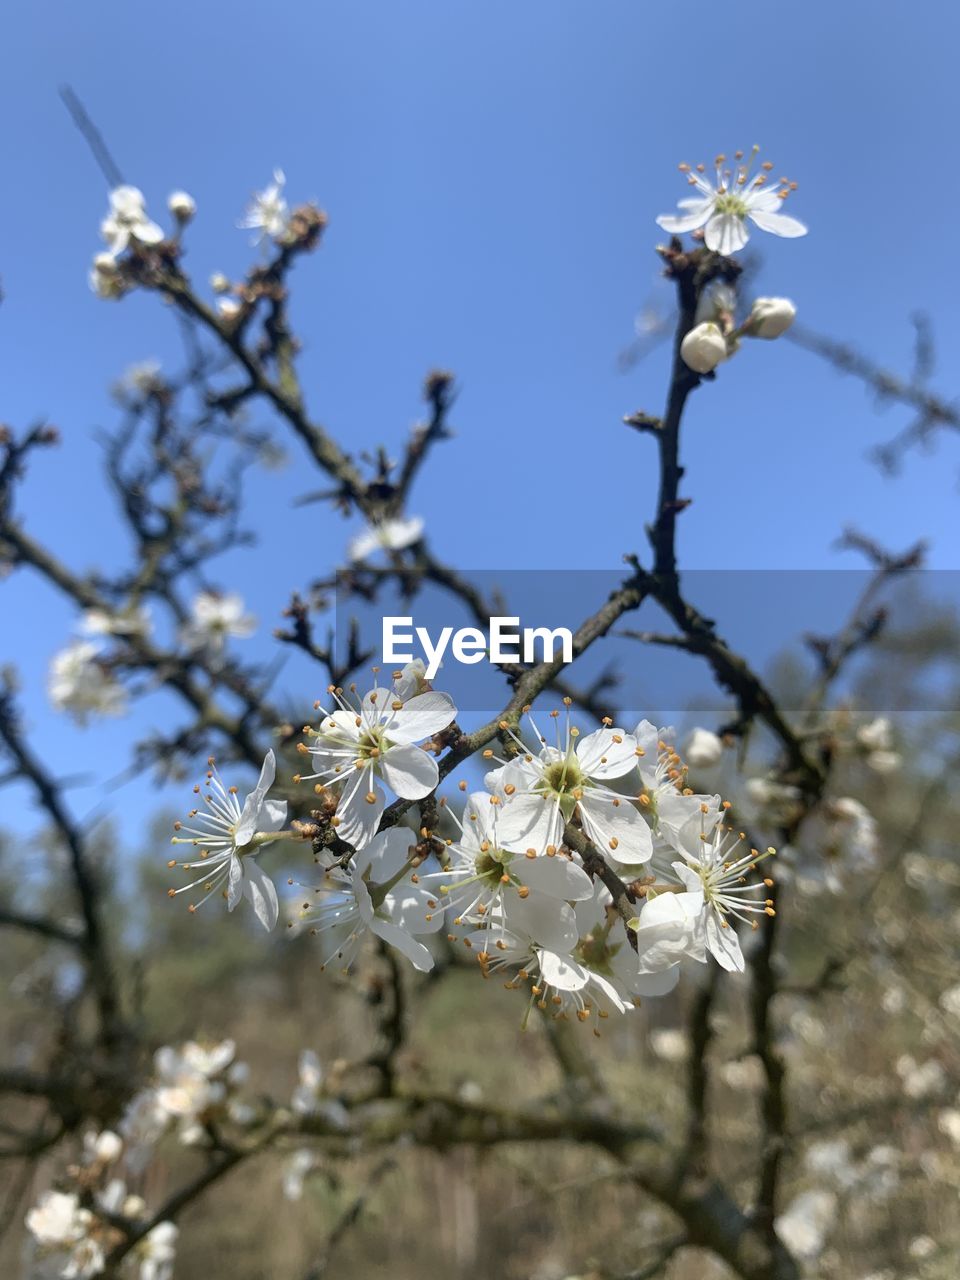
[370, 746]
[729, 202]
[491, 865]
[562, 777]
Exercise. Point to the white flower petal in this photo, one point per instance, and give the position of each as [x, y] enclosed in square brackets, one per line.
[781, 224]
[530, 822]
[409, 771]
[358, 817]
[260, 890]
[698, 211]
[726, 233]
[607, 753]
[555, 877]
[422, 717]
[616, 828]
[251, 809]
[418, 955]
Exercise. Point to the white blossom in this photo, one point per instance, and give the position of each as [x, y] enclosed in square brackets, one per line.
[387, 535]
[216, 618]
[57, 1219]
[133, 621]
[482, 876]
[102, 1148]
[545, 791]
[876, 735]
[559, 982]
[127, 220]
[604, 947]
[378, 892]
[805, 1223]
[79, 684]
[182, 205]
[375, 737]
[267, 212]
[667, 929]
[106, 278]
[948, 1122]
[704, 749]
[921, 1080]
[670, 1044]
[704, 347]
[884, 762]
[770, 317]
[411, 680]
[156, 1253]
[723, 208]
[716, 865]
[229, 837]
[307, 1092]
[666, 797]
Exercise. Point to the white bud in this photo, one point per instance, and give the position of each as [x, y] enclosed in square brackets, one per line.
[108, 1146]
[770, 317]
[876, 735]
[229, 308]
[182, 205]
[106, 280]
[703, 348]
[134, 1207]
[884, 761]
[219, 283]
[703, 749]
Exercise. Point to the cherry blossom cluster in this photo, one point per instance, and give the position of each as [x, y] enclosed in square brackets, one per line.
[128, 228]
[193, 1089]
[78, 1228]
[720, 214]
[82, 680]
[504, 877]
[73, 1232]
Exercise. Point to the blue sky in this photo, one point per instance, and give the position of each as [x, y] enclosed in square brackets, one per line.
[492, 174]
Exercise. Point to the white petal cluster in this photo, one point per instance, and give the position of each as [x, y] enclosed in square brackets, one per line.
[191, 1086]
[80, 684]
[526, 906]
[266, 215]
[215, 618]
[704, 347]
[228, 837]
[507, 883]
[73, 1241]
[723, 208]
[770, 317]
[388, 535]
[127, 221]
[523, 875]
[372, 738]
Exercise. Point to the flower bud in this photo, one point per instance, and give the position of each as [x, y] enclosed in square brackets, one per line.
[182, 206]
[703, 749]
[106, 279]
[770, 317]
[219, 283]
[703, 348]
[108, 1146]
